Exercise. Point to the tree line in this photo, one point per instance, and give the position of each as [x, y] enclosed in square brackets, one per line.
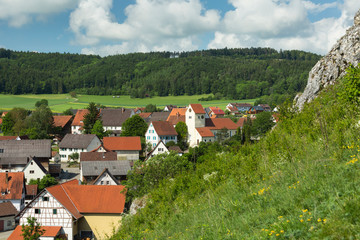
[231, 73]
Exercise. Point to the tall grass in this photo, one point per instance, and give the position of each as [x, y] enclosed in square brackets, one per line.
[302, 181]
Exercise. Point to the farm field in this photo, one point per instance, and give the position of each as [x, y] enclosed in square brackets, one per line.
[61, 102]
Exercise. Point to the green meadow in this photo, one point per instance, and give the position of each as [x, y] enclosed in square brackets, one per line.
[61, 102]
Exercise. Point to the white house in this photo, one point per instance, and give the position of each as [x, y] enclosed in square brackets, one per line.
[160, 148]
[160, 131]
[34, 170]
[114, 118]
[7, 216]
[194, 118]
[78, 122]
[106, 178]
[12, 187]
[77, 143]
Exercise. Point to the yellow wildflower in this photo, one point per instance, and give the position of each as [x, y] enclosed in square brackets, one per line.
[301, 220]
[282, 231]
[277, 234]
[309, 219]
[301, 216]
[324, 220]
[319, 220]
[304, 210]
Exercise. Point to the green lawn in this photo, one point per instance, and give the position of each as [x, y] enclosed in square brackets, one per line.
[61, 102]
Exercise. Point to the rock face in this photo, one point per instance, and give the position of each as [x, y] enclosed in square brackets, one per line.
[345, 52]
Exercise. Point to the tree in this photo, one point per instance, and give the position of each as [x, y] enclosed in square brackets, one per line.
[14, 121]
[45, 182]
[134, 126]
[150, 108]
[262, 123]
[40, 123]
[32, 231]
[98, 129]
[68, 112]
[222, 135]
[42, 102]
[91, 117]
[7, 125]
[182, 131]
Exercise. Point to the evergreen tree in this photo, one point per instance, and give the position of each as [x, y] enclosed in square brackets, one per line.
[91, 117]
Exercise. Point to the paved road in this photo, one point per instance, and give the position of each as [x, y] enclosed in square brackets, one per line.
[5, 235]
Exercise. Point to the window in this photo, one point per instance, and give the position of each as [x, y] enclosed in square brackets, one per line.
[107, 182]
[149, 131]
[167, 137]
[54, 211]
[37, 210]
[102, 182]
[1, 150]
[32, 163]
[45, 199]
[154, 137]
[148, 137]
[198, 117]
[160, 149]
[31, 171]
[190, 117]
[154, 144]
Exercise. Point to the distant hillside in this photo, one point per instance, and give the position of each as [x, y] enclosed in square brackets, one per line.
[232, 73]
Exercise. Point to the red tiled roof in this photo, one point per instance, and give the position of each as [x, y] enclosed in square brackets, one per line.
[178, 111]
[97, 199]
[61, 121]
[217, 110]
[122, 143]
[32, 190]
[164, 128]
[145, 114]
[241, 122]
[198, 108]
[205, 132]
[79, 117]
[14, 185]
[219, 123]
[8, 137]
[49, 232]
[232, 109]
[176, 115]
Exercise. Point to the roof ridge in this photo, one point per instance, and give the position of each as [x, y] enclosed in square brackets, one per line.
[70, 198]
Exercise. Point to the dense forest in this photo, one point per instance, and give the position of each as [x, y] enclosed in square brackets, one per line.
[231, 73]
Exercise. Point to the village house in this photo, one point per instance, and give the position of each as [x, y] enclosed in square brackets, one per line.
[232, 110]
[160, 131]
[255, 110]
[242, 107]
[31, 192]
[195, 118]
[106, 178]
[63, 124]
[113, 119]
[176, 115]
[160, 148]
[83, 211]
[77, 143]
[34, 170]
[91, 170]
[266, 107]
[169, 108]
[77, 125]
[127, 148]
[12, 187]
[7, 216]
[14, 155]
[215, 112]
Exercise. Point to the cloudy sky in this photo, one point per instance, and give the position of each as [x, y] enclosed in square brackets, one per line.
[108, 27]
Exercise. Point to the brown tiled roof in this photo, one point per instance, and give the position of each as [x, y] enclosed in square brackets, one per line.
[7, 209]
[177, 115]
[115, 117]
[159, 116]
[79, 117]
[98, 156]
[49, 232]
[178, 111]
[13, 187]
[32, 190]
[217, 110]
[219, 123]
[205, 132]
[175, 149]
[76, 140]
[164, 128]
[122, 143]
[61, 121]
[198, 108]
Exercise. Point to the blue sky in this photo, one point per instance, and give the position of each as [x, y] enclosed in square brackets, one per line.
[108, 27]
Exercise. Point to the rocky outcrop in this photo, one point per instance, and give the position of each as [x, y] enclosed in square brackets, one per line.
[331, 67]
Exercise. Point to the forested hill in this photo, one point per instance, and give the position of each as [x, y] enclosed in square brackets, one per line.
[232, 73]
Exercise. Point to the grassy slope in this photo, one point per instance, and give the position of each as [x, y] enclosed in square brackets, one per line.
[300, 182]
[61, 102]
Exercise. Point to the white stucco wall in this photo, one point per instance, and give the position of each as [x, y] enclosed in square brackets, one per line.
[33, 171]
[105, 179]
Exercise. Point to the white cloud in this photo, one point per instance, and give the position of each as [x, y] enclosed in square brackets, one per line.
[292, 30]
[20, 12]
[151, 25]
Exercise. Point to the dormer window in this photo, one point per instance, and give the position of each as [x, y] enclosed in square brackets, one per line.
[189, 109]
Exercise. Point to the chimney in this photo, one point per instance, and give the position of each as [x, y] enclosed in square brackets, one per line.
[103, 155]
[6, 178]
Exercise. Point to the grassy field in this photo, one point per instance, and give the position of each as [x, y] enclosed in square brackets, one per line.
[61, 102]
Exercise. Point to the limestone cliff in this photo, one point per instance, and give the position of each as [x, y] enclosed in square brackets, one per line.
[345, 52]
